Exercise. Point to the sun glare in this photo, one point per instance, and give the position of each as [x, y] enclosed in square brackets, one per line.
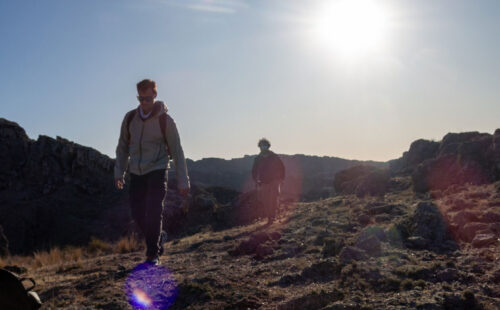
[351, 27]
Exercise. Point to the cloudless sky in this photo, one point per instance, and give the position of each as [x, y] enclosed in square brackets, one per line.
[233, 71]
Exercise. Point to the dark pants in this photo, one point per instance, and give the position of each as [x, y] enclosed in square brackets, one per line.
[146, 202]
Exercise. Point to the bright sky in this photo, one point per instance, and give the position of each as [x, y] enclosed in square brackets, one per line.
[358, 79]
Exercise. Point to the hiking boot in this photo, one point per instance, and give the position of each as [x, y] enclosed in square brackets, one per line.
[163, 240]
[152, 260]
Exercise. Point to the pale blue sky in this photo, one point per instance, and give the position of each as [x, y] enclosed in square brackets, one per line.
[232, 71]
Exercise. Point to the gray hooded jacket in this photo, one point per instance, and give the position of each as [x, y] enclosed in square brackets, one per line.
[141, 146]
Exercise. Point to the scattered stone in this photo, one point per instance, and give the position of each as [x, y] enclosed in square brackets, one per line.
[394, 236]
[371, 245]
[448, 275]
[381, 218]
[247, 247]
[288, 280]
[484, 240]
[427, 223]
[464, 217]
[332, 246]
[350, 253]
[364, 219]
[460, 204]
[490, 217]
[417, 242]
[374, 230]
[380, 209]
[322, 271]
[263, 250]
[275, 235]
[469, 230]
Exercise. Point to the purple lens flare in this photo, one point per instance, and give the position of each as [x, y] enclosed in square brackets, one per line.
[150, 287]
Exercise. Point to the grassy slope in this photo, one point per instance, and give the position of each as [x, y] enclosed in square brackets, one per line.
[297, 274]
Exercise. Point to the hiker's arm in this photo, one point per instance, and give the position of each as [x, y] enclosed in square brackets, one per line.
[174, 144]
[122, 152]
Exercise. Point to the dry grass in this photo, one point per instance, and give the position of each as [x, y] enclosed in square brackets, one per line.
[98, 246]
[128, 244]
[57, 256]
[71, 255]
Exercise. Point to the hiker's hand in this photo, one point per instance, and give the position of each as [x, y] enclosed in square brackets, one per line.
[184, 192]
[119, 183]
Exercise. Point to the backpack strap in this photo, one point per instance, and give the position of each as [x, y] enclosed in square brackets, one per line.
[163, 127]
[130, 116]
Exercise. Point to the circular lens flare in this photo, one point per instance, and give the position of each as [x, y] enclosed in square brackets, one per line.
[150, 287]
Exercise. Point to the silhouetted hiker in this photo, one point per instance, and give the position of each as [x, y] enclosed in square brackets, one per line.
[148, 139]
[268, 173]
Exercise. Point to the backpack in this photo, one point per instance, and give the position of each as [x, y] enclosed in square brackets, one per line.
[163, 127]
[13, 294]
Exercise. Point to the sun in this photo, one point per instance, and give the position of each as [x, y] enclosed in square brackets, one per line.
[351, 27]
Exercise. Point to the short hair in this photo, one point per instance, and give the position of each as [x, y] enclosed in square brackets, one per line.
[146, 84]
[264, 141]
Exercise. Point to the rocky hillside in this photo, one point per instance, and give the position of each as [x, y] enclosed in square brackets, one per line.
[53, 192]
[399, 251]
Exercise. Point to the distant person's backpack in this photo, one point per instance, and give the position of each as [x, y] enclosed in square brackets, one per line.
[13, 294]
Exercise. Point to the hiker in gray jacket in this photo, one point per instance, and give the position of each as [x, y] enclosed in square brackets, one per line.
[148, 138]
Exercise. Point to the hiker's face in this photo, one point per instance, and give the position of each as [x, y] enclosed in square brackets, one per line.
[147, 98]
[264, 147]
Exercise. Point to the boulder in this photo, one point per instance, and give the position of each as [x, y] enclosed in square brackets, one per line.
[426, 223]
[469, 230]
[484, 240]
[351, 253]
[332, 246]
[371, 245]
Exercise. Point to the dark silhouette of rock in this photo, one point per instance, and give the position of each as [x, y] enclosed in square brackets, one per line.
[470, 230]
[484, 240]
[362, 180]
[459, 158]
[425, 228]
[55, 192]
[351, 253]
[371, 245]
[332, 246]
[4, 244]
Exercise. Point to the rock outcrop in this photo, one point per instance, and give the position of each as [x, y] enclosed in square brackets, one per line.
[54, 192]
[459, 158]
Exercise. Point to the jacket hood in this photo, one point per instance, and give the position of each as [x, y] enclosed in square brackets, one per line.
[158, 108]
[163, 106]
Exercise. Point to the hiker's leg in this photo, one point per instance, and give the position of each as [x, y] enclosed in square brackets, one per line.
[276, 199]
[137, 196]
[266, 200]
[154, 203]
